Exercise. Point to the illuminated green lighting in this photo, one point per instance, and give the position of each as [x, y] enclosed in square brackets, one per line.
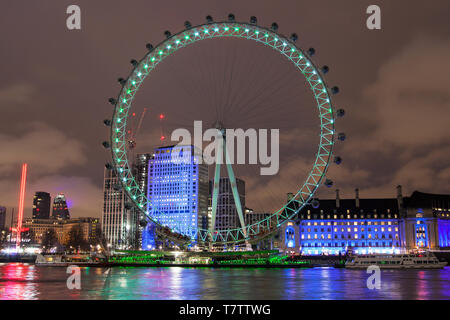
[296, 56]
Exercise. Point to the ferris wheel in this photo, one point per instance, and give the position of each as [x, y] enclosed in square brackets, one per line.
[300, 61]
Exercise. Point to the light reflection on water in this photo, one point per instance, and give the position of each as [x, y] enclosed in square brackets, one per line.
[24, 281]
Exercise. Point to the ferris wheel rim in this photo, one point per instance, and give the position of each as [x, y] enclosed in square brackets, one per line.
[140, 70]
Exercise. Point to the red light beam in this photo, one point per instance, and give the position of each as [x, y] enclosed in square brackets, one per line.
[23, 182]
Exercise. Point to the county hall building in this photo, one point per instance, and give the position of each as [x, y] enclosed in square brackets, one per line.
[362, 226]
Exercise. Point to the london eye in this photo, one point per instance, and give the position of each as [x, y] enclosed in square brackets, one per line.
[224, 103]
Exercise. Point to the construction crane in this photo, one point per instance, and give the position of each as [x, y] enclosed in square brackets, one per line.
[132, 133]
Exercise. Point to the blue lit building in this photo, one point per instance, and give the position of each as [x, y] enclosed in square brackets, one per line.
[178, 189]
[364, 226]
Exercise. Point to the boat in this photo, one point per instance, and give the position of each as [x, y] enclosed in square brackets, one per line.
[58, 260]
[395, 261]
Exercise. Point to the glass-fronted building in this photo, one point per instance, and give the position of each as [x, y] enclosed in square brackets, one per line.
[41, 205]
[60, 209]
[178, 189]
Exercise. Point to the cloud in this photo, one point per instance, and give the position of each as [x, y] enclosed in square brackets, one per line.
[46, 149]
[406, 114]
[50, 154]
[16, 94]
[83, 196]
[411, 95]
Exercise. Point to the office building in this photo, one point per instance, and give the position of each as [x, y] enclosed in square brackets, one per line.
[2, 218]
[119, 220]
[60, 210]
[178, 189]
[62, 227]
[41, 205]
[226, 213]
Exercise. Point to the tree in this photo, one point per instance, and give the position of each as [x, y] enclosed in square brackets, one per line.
[76, 239]
[49, 240]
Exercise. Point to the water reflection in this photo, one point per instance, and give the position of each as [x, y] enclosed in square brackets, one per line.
[23, 281]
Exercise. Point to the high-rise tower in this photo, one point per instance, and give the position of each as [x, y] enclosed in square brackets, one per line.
[119, 220]
[227, 215]
[178, 189]
[2, 218]
[41, 205]
[145, 229]
[60, 209]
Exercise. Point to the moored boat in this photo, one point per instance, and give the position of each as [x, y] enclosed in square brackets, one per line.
[396, 261]
[67, 260]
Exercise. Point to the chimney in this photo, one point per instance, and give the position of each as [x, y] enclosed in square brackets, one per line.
[357, 197]
[338, 202]
[399, 198]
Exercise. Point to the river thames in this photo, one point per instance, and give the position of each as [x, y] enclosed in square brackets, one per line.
[26, 281]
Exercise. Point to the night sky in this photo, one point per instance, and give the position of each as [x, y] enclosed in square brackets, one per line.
[394, 83]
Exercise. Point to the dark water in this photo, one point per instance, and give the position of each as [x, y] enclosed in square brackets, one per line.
[24, 281]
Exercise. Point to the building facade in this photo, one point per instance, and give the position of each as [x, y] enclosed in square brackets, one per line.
[178, 189]
[60, 210]
[365, 226]
[119, 220]
[145, 228]
[38, 227]
[2, 218]
[227, 215]
[41, 205]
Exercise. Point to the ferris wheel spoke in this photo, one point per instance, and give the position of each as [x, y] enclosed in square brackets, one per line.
[226, 94]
